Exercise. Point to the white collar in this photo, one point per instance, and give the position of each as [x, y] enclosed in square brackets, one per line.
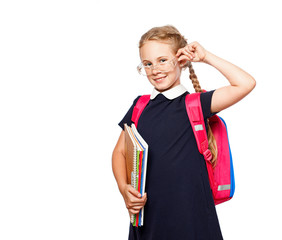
[171, 93]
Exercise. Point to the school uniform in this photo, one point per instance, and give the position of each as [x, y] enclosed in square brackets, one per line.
[180, 205]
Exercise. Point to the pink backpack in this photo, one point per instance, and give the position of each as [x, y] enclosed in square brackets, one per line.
[221, 177]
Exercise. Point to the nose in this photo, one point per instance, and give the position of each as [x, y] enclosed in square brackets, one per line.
[155, 70]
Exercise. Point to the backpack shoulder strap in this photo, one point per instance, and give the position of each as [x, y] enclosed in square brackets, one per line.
[195, 114]
[139, 107]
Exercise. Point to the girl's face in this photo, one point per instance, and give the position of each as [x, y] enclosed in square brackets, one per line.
[153, 53]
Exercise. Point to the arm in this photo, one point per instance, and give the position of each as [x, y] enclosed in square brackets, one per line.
[241, 83]
[132, 197]
[118, 163]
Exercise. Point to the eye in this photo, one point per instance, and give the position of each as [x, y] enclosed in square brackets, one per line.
[147, 64]
[163, 60]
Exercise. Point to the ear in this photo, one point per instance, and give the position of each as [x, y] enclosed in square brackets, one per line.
[183, 61]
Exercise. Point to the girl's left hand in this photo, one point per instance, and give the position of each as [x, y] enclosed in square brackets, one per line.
[192, 52]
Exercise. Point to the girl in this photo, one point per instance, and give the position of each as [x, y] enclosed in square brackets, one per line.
[178, 200]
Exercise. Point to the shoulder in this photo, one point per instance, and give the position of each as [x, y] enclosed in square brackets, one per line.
[136, 99]
[127, 117]
[207, 96]
[206, 100]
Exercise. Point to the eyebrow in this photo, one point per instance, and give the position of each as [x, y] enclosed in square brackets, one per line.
[157, 58]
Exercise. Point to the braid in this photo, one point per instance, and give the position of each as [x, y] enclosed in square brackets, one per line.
[211, 139]
[194, 78]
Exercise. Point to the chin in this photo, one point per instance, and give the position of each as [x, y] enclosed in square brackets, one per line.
[165, 86]
[161, 89]
[163, 82]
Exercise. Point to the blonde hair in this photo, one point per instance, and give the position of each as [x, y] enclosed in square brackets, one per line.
[170, 34]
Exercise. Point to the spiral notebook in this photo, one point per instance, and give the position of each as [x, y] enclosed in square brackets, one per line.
[136, 154]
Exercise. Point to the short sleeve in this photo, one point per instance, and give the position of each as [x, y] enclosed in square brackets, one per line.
[127, 118]
[206, 99]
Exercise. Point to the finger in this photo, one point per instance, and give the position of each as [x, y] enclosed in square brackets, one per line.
[137, 208]
[179, 52]
[191, 47]
[134, 192]
[183, 51]
[133, 201]
[183, 59]
[189, 54]
[145, 199]
[132, 206]
[145, 195]
[138, 201]
[192, 51]
[133, 211]
[136, 205]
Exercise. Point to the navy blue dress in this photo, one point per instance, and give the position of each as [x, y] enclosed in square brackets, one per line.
[180, 205]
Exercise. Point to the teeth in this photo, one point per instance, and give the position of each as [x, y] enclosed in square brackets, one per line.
[160, 79]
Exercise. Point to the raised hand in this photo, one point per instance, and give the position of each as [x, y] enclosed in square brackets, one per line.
[192, 52]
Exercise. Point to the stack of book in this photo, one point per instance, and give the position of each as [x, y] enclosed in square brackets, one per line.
[136, 150]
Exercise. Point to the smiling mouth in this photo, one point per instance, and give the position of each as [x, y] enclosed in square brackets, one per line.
[159, 79]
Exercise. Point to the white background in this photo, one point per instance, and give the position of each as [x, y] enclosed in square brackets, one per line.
[68, 76]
